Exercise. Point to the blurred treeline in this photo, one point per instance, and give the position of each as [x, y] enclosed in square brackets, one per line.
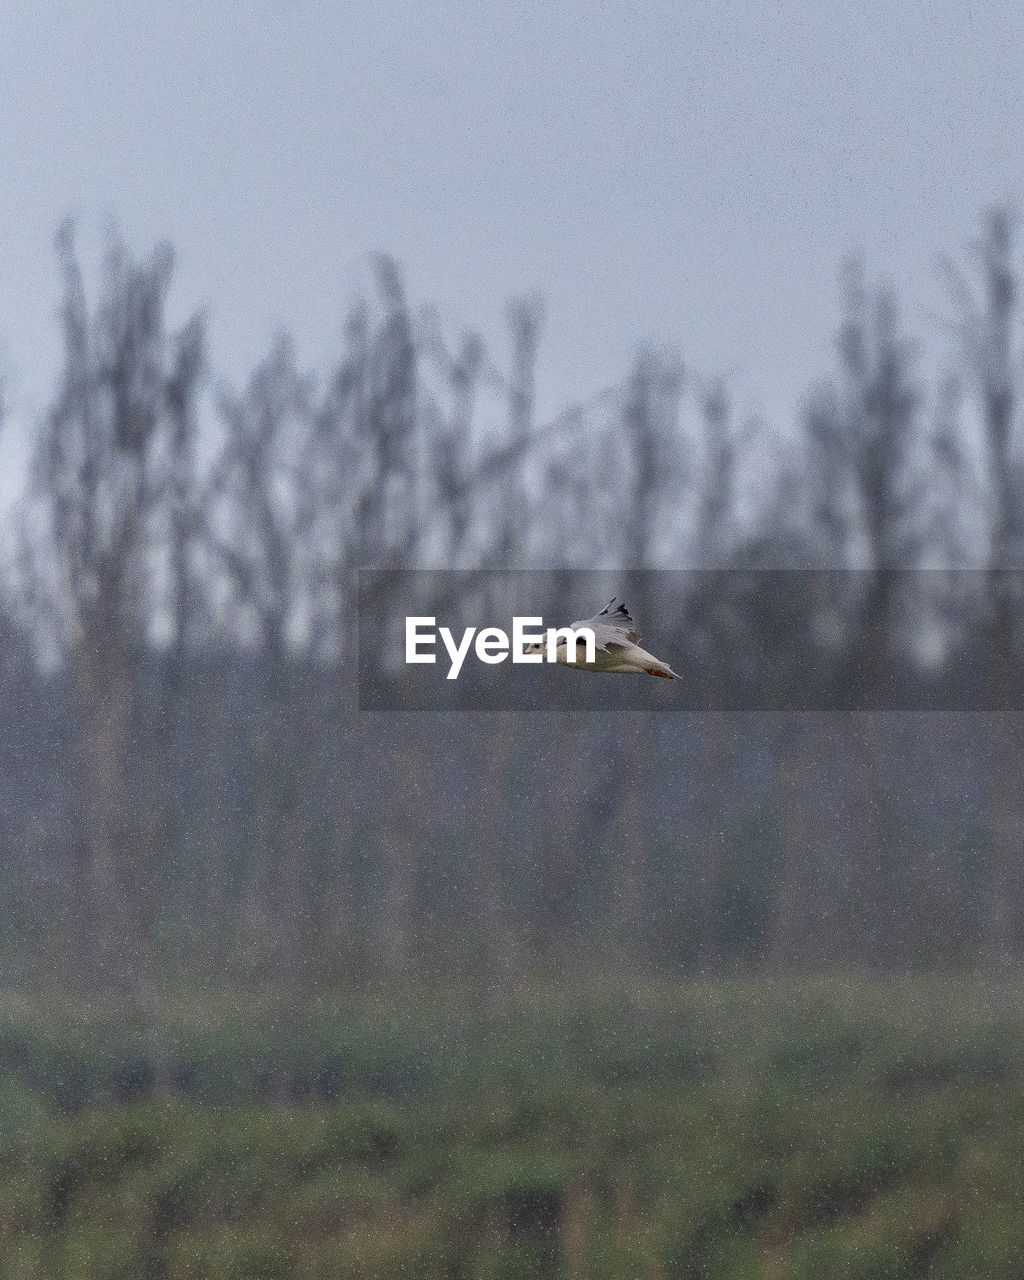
[188, 789]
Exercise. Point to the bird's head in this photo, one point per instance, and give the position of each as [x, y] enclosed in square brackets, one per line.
[534, 646]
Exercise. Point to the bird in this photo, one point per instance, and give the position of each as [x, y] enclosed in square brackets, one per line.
[616, 646]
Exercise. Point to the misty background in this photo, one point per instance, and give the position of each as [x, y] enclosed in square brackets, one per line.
[729, 296]
[311, 313]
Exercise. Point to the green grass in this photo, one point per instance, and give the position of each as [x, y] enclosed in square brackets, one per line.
[846, 1129]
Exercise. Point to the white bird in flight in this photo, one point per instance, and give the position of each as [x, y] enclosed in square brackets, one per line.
[616, 647]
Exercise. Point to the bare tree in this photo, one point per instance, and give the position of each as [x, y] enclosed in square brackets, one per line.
[876, 432]
[259, 524]
[91, 572]
[713, 537]
[651, 426]
[991, 334]
[181, 597]
[496, 738]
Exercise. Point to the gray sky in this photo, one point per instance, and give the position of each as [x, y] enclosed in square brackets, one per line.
[685, 173]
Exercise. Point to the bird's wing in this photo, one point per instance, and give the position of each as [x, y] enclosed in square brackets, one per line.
[612, 626]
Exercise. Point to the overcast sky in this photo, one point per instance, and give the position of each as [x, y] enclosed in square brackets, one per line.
[686, 173]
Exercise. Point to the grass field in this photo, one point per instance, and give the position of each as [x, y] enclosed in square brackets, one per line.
[850, 1129]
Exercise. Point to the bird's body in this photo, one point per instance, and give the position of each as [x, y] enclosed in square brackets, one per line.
[616, 647]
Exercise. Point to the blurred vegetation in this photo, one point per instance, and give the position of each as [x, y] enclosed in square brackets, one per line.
[189, 791]
[192, 799]
[819, 1129]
